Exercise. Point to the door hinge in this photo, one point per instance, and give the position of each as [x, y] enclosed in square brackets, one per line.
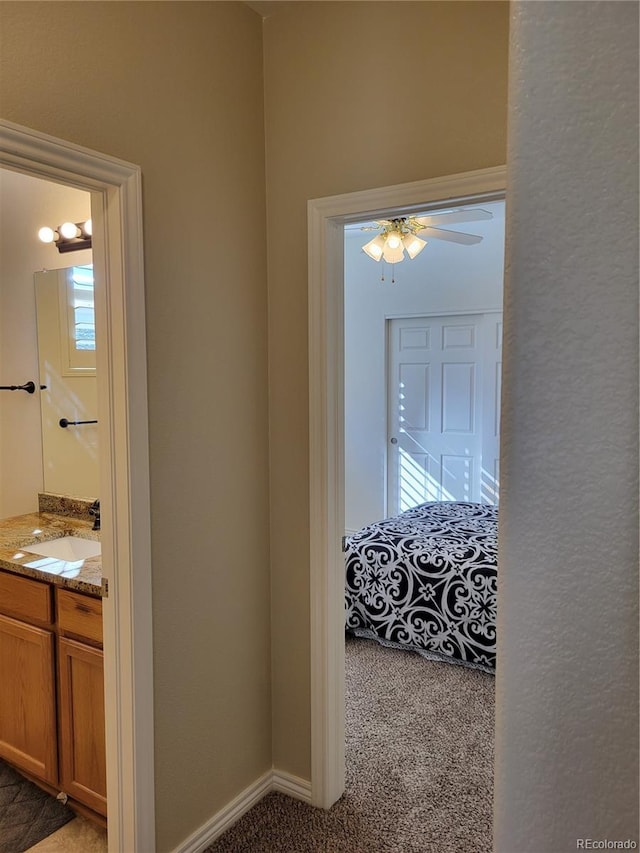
[345, 542]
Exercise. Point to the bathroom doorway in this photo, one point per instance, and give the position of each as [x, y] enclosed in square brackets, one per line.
[115, 190]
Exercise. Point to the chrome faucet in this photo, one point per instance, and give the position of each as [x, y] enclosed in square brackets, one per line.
[94, 510]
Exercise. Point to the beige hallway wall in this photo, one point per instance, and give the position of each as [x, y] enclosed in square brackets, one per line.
[177, 88]
[357, 95]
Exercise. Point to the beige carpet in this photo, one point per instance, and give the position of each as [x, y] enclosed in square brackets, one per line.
[419, 766]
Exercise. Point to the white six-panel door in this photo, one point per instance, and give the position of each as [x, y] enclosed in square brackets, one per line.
[443, 409]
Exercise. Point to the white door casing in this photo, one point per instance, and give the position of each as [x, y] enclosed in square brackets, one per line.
[116, 211]
[491, 400]
[326, 218]
[440, 384]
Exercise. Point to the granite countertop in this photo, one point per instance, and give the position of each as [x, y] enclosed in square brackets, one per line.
[17, 533]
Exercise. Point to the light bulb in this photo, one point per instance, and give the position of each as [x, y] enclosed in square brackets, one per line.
[68, 230]
[87, 227]
[375, 247]
[394, 239]
[414, 245]
[47, 235]
[393, 256]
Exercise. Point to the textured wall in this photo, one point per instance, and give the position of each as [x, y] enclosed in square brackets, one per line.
[176, 87]
[567, 700]
[357, 95]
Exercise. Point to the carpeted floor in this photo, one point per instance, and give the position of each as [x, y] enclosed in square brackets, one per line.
[419, 766]
[27, 813]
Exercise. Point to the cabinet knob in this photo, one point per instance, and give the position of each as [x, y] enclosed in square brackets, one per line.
[394, 440]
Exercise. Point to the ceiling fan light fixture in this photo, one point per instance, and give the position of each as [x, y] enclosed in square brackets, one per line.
[413, 245]
[374, 248]
[400, 234]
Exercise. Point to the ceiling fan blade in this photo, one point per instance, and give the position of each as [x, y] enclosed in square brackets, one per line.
[455, 216]
[451, 236]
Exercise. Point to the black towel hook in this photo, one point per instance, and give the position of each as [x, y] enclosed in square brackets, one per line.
[64, 423]
[29, 387]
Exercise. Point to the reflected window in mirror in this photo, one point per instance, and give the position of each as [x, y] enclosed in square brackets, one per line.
[77, 320]
[84, 319]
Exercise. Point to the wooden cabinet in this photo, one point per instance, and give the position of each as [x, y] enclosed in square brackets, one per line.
[52, 687]
[83, 765]
[27, 699]
[83, 771]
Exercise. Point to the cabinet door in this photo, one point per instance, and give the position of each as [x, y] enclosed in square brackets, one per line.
[83, 773]
[27, 699]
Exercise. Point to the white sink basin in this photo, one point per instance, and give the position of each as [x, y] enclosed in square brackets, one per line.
[67, 548]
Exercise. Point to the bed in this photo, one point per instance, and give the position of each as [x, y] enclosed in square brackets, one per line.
[426, 580]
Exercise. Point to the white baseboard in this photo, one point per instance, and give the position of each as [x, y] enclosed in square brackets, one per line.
[272, 780]
[293, 786]
[227, 816]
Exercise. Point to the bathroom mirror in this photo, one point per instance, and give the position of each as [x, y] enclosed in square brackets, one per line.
[67, 365]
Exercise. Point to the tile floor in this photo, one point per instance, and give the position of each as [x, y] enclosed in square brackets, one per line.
[77, 836]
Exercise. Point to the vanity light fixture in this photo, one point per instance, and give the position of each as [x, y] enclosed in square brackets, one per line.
[68, 237]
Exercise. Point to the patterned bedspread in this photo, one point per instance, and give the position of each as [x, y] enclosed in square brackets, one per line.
[426, 580]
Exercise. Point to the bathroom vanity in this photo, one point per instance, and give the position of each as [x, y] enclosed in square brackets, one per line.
[51, 658]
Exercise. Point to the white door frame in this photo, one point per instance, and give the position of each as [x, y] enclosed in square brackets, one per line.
[116, 208]
[326, 219]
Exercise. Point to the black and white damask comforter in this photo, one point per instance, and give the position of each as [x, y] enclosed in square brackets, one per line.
[427, 580]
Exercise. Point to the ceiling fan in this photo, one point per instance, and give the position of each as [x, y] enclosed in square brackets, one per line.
[400, 234]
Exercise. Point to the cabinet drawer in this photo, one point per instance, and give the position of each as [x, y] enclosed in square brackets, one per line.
[25, 599]
[79, 615]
